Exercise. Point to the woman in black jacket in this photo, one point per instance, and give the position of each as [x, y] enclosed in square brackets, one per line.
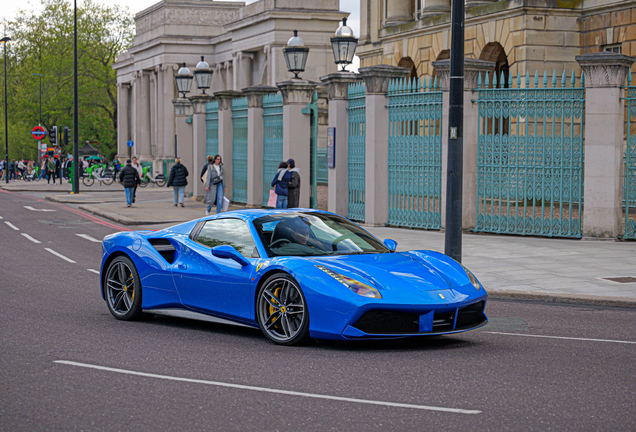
[178, 181]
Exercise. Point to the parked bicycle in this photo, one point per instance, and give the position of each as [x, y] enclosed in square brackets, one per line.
[99, 173]
[146, 179]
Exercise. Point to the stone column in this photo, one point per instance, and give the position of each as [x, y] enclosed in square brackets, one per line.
[435, 7]
[159, 121]
[472, 69]
[244, 70]
[123, 115]
[376, 80]
[143, 116]
[168, 121]
[183, 129]
[255, 142]
[225, 135]
[398, 12]
[605, 73]
[199, 136]
[338, 87]
[297, 130]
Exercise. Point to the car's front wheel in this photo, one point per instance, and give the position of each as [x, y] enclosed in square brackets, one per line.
[281, 310]
[122, 289]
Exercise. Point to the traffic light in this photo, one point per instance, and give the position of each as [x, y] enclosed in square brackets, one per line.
[67, 134]
[53, 136]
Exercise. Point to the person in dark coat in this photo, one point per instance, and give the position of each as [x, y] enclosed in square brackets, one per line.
[178, 181]
[280, 181]
[129, 177]
[293, 185]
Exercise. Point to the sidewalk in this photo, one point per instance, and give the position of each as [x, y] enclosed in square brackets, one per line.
[514, 267]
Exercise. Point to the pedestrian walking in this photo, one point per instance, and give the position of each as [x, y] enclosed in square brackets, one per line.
[205, 167]
[280, 182]
[140, 172]
[129, 177]
[214, 181]
[178, 181]
[50, 171]
[116, 167]
[43, 167]
[293, 185]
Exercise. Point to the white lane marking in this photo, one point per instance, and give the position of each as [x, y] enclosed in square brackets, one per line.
[269, 390]
[1, 217]
[31, 238]
[12, 226]
[87, 237]
[563, 337]
[34, 209]
[93, 271]
[60, 255]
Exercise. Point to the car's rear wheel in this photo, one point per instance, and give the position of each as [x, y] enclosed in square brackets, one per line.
[122, 289]
[281, 310]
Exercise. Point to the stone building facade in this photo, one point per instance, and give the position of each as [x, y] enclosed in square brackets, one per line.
[242, 43]
[518, 35]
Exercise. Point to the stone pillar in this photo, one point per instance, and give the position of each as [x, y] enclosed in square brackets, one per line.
[398, 12]
[244, 70]
[183, 128]
[435, 7]
[605, 73]
[143, 117]
[123, 116]
[376, 80]
[297, 130]
[229, 78]
[472, 69]
[168, 121]
[338, 87]
[159, 121]
[199, 136]
[255, 142]
[225, 135]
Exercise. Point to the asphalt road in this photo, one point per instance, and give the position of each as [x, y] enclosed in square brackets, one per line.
[67, 364]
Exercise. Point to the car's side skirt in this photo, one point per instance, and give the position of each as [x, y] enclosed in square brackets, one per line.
[181, 313]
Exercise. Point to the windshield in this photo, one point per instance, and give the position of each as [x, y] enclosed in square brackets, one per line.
[311, 234]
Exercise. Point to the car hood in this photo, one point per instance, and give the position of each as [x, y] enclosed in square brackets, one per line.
[405, 271]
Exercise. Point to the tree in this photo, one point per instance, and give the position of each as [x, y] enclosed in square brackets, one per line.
[42, 42]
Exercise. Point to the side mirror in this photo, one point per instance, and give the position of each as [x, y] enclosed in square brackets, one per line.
[391, 244]
[229, 252]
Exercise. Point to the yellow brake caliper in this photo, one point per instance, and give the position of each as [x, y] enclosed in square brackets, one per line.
[132, 297]
[271, 308]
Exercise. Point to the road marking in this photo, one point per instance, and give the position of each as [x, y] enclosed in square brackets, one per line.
[31, 238]
[269, 390]
[12, 226]
[87, 237]
[34, 209]
[60, 255]
[563, 337]
[93, 271]
[1, 217]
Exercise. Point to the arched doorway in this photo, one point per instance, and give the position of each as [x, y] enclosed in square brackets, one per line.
[407, 62]
[494, 52]
[443, 55]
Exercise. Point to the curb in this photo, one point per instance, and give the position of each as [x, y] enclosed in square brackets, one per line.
[590, 300]
[126, 220]
[58, 199]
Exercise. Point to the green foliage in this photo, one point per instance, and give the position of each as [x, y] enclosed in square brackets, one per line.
[42, 42]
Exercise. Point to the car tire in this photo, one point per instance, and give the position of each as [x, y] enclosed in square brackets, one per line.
[122, 303]
[281, 310]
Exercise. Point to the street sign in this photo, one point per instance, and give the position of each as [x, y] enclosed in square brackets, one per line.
[38, 132]
[43, 147]
[130, 143]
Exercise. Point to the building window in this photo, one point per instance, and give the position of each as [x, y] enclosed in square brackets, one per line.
[615, 48]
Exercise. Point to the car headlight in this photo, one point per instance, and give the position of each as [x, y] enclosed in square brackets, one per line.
[473, 279]
[356, 286]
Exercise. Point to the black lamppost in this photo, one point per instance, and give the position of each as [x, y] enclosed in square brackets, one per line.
[183, 79]
[4, 41]
[296, 55]
[203, 75]
[40, 75]
[344, 45]
[76, 170]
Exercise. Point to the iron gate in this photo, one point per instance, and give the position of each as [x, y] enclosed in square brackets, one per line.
[629, 167]
[212, 128]
[239, 150]
[356, 151]
[272, 139]
[415, 153]
[530, 157]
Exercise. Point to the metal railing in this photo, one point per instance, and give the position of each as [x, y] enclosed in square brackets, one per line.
[272, 139]
[356, 151]
[239, 150]
[212, 128]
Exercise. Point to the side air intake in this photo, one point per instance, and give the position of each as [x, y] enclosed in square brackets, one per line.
[165, 248]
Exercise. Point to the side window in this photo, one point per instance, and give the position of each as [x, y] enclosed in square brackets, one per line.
[231, 232]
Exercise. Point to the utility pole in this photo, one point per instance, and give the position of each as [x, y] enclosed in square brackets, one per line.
[76, 171]
[453, 234]
[4, 41]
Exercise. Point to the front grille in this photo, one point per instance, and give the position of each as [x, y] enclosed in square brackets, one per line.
[470, 315]
[388, 322]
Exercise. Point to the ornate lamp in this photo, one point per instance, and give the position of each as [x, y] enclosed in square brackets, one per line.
[344, 45]
[296, 54]
[203, 75]
[183, 79]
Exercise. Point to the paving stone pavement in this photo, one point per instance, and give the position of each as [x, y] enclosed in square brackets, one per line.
[533, 268]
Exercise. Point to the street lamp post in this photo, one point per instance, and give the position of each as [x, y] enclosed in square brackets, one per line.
[296, 54]
[183, 79]
[203, 75]
[4, 41]
[344, 45]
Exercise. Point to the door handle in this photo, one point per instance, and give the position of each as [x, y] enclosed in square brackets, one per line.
[182, 266]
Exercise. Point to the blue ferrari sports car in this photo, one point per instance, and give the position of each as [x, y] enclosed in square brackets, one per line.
[295, 274]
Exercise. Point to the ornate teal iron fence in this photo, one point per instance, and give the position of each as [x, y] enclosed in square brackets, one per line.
[312, 110]
[323, 173]
[239, 150]
[212, 128]
[272, 139]
[530, 157]
[356, 151]
[629, 167]
[415, 153]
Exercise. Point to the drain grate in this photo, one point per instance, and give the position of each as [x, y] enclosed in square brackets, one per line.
[625, 279]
